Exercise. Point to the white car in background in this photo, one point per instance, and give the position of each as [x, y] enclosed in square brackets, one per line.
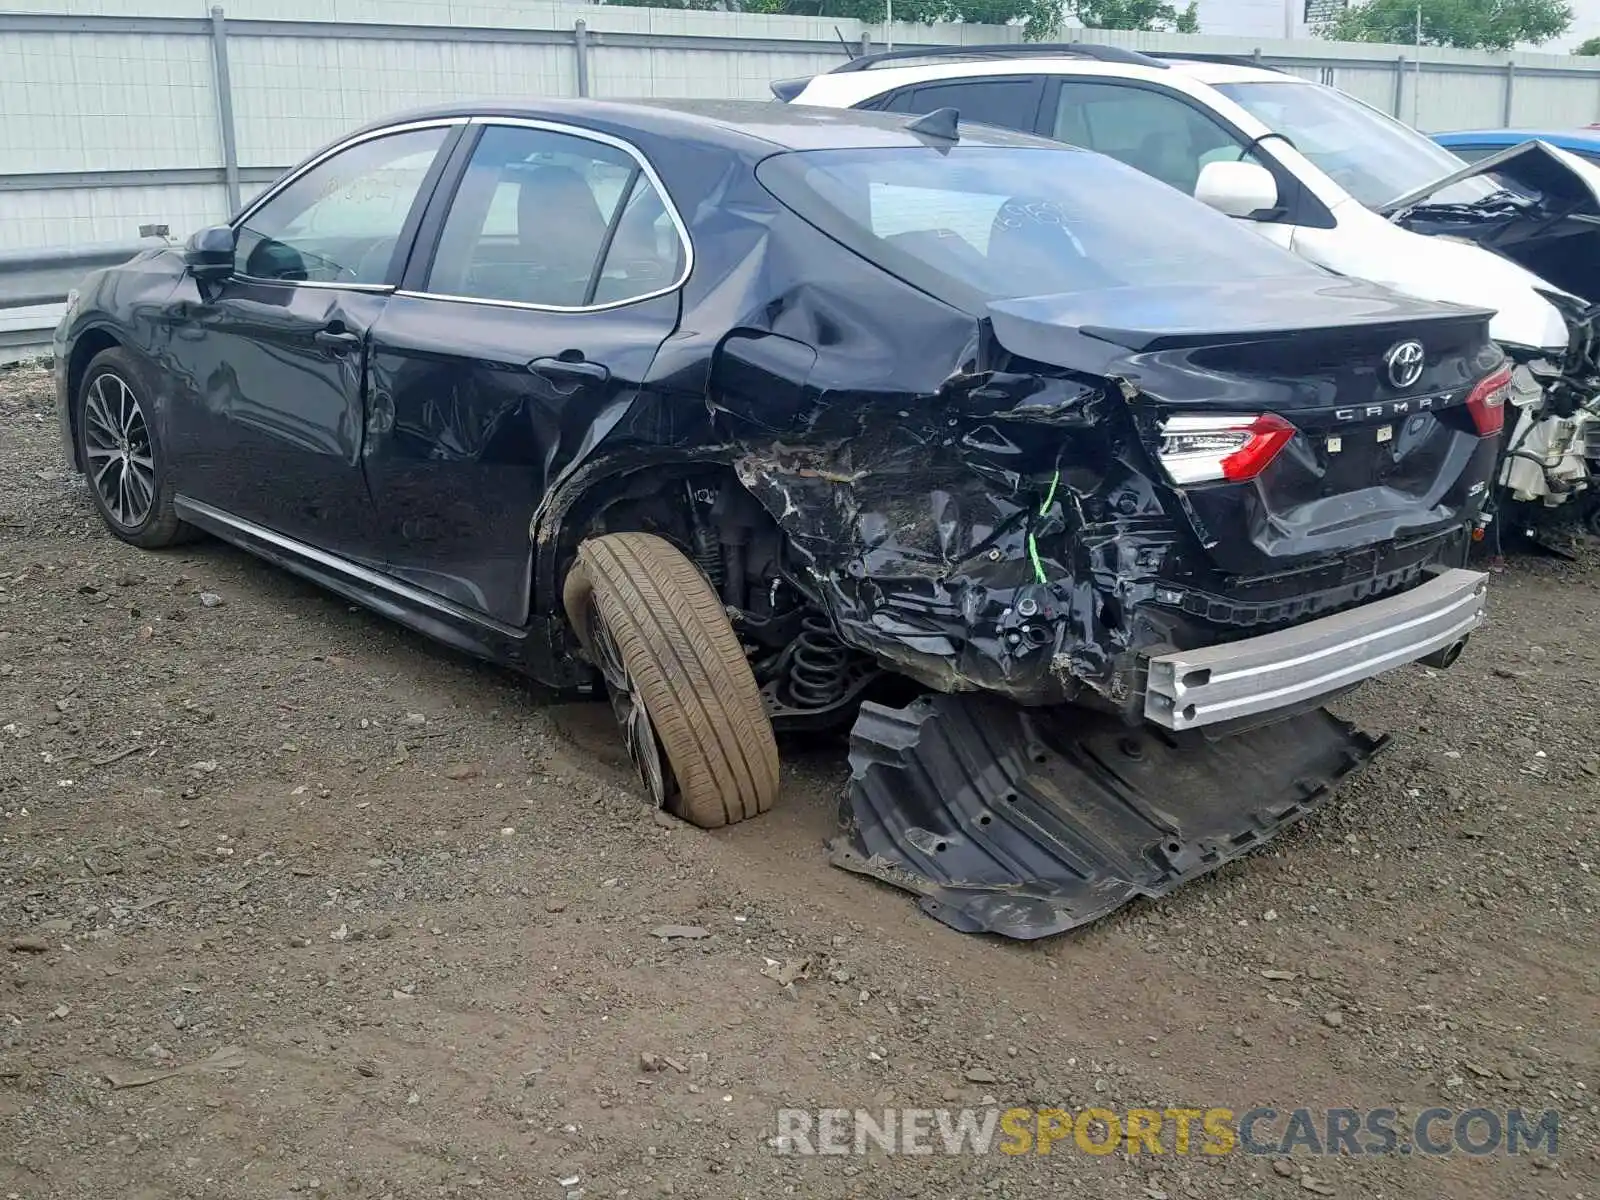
[1332, 179]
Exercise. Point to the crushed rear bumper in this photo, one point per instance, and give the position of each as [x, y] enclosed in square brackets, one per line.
[1191, 688]
[1027, 821]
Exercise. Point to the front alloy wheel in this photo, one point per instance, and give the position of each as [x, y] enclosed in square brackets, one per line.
[120, 451]
[116, 450]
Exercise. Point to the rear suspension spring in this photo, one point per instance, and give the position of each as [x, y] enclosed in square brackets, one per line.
[818, 665]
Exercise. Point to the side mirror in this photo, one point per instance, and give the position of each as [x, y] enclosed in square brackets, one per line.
[1237, 189]
[209, 253]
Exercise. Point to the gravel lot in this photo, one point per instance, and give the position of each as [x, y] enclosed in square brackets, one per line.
[294, 902]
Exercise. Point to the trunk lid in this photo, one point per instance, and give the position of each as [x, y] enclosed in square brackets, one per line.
[1547, 219]
[1380, 446]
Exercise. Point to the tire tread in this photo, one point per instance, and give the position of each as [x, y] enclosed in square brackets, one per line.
[676, 641]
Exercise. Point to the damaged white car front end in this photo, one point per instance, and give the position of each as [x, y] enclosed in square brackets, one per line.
[1543, 216]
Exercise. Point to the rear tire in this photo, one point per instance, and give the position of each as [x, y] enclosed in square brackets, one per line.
[693, 717]
[123, 461]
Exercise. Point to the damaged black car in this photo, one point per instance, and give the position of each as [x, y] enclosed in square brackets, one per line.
[1076, 500]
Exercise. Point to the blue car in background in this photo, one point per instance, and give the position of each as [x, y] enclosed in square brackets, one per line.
[1473, 144]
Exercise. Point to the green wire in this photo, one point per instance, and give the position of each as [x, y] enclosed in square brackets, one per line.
[1033, 545]
[1033, 553]
[1049, 497]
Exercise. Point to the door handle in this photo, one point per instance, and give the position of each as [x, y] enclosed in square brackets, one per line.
[338, 340]
[569, 370]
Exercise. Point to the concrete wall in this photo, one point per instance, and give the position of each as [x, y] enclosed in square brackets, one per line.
[111, 116]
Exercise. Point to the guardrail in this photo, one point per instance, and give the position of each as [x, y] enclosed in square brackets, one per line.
[34, 284]
[45, 275]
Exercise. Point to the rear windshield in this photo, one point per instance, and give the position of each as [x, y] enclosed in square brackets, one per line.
[981, 223]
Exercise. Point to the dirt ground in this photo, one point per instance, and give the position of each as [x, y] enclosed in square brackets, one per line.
[294, 902]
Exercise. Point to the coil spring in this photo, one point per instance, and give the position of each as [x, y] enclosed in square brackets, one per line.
[818, 666]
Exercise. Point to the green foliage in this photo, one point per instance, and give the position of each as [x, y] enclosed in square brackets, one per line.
[1591, 46]
[988, 12]
[1146, 15]
[1464, 24]
[1040, 19]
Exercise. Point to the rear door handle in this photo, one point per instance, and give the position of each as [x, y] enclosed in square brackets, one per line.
[338, 340]
[573, 371]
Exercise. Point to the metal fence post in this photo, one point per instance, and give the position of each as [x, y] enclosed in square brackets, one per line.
[224, 84]
[1511, 87]
[866, 43]
[1399, 87]
[580, 47]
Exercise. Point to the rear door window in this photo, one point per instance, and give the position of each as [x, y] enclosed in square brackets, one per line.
[555, 220]
[1011, 102]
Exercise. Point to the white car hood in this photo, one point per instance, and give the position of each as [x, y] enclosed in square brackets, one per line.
[1548, 222]
[1438, 268]
[1534, 165]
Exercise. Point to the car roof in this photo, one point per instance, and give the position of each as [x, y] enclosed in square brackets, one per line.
[1568, 139]
[762, 125]
[1217, 72]
[954, 66]
[851, 85]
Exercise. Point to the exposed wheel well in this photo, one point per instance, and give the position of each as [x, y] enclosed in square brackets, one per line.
[690, 504]
[89, 343]
[809, 677]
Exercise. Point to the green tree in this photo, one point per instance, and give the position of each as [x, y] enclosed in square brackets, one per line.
[1040, 15]
[1039, 18]
[1146, 15]
[1591, 46]
[1464, 24]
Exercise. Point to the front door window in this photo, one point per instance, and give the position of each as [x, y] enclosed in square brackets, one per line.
[340, 222]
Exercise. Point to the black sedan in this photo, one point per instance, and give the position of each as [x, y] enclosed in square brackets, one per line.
[765, 417]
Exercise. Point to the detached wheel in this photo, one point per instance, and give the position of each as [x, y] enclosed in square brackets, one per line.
[122, 460]
[689, 708]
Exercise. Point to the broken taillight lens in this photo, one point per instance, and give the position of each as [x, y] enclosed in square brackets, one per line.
[1487, 402]
[1206, 449]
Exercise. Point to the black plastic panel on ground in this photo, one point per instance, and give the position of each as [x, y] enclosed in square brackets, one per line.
[1027, 822]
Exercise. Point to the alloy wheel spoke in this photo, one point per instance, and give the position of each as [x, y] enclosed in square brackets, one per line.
[117, 447]
[643, 750]
[112, 460]
[141, 488]
[127, 406]
[95, 410]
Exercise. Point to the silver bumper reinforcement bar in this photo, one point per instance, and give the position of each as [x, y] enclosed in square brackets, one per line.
[1191, 688]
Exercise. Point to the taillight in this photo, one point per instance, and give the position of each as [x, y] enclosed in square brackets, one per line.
[1487, 402]
[1206, 449]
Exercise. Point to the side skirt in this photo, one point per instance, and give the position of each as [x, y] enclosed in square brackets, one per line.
[531, 650]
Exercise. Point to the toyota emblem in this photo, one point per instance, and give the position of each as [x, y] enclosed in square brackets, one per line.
[1404, 363]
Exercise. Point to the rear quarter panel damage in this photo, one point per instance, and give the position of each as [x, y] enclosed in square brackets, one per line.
[926, 499]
